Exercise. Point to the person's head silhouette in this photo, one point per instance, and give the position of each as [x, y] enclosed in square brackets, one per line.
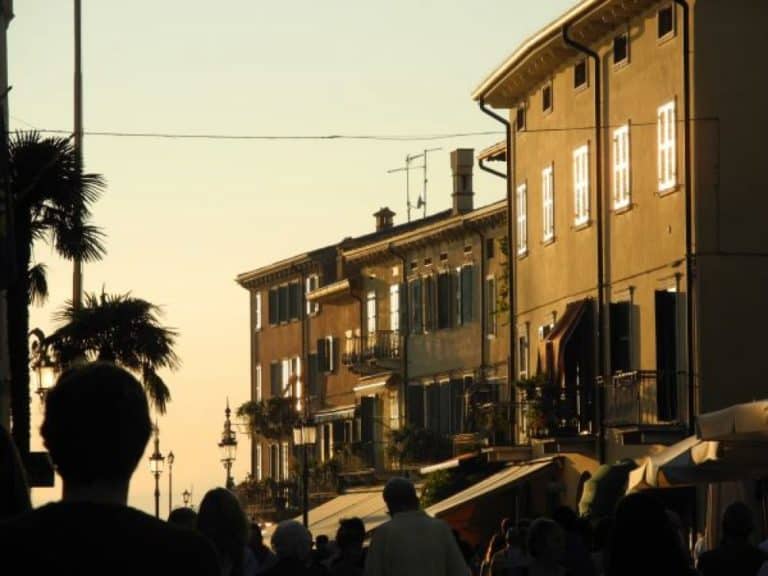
[96, 428]
[400, 495]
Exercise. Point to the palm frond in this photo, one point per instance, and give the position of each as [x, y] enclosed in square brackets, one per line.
[38, 284]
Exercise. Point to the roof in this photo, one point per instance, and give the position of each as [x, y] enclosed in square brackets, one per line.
[545, 51]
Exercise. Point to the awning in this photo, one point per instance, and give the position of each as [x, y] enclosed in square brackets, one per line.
[367, 505]
[506, 478]
[330, 293]
[552, 348]
[375, 383]
[450, 464]
[741, 422]
[605, 488]
[333, 414]
[695, 461]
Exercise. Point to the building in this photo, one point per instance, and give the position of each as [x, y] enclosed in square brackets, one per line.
[396, 327]
[635, 132]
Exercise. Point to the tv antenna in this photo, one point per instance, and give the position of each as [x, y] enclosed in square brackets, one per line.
[421, 201]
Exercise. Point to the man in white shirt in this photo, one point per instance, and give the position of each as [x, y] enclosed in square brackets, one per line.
[412, 543]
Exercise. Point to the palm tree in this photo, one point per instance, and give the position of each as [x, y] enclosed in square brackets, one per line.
[121, 329]
[51, 199]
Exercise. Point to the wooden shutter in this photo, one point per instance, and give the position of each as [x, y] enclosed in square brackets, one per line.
[445, 300]
[620, 336]
[416, 307]
[282, 303]
[467, 285]
[294, 301]
[322, 355]
[429, 303]
[415, 406]
[276, 379]
[273, 307]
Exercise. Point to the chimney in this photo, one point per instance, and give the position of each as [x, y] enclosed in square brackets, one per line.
[462, 160]
[383, 219]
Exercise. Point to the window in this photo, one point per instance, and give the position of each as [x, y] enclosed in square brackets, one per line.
[581, 185]
[284, 461]
[546, 98]
[394, 307]
[285, 389]
[620, 322]
[312, 283]
[522, 219]
[464, 294]
[416, 307]
[444, 300]
[257, 311]
[414, 265]
[580, 74]
[665, 22]
[490, 306]
[370, 314]
[313, 375]
[394, 410]
[666, 147]
[326, 354]
[490, 248]
[257, 384]
[294, 301]
[275, 379]
[522, 352]
[621, 49]
[520, 119]
[548, 203]
[427, 261]
[414, 407]
[274, 463]
[297, 390]
[443, 256]
[272, 303]
[468, 249]
[282, 304]
[258, 474]
[429, 302]
[621, 191]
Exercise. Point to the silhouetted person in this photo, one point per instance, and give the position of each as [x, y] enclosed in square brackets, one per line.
[262, 558]
[14, 492]
[322, 551]
[183, 517]
[546, 546]
[735, 556]
[412, 543]
[292, 544]
[495, 545]
[576, 558]
[221, 519]
[643, 541]
[96, 428]
[507, 560]
[350, 560]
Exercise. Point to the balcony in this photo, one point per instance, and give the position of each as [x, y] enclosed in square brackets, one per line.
[646, 398]
[372, 352]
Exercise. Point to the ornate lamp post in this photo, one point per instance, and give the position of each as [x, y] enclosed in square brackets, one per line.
[156, 467]
[170, 481]
[42, 363]
[304, 436]
[228, 447]
[186, 496]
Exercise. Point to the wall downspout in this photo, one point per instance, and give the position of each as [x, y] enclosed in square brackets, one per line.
[511, 260]
[483, 336]
[601, 315]
[481, 164]
[689, 255]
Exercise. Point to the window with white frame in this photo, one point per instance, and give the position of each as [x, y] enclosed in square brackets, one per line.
[522, 219]
[257, 311]
[258, 462]
[394, 307]
[370, 308]
[257, 395]
[312, 282]
[581, 184]
[286, 374]
[548, 203]
[394, 410]
[284, 461]
[667, 162]
[522, 351]
[621, 191]
[274, 462]
[297, 391]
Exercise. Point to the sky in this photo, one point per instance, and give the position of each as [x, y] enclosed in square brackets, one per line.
[184, 217]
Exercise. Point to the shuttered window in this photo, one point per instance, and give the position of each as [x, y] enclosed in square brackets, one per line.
[445, 300]
[416, 307]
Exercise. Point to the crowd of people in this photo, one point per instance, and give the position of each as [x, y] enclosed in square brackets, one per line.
[96, 429]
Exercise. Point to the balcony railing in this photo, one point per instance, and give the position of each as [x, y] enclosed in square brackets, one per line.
[645, 398]
[379, 345]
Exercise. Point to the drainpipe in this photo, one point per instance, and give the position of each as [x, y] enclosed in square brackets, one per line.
[483, 337]
[511, 259]
[601, 315]
[481, 164]
[689, 256]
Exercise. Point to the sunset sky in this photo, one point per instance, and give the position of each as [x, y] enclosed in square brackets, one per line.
[184, 217]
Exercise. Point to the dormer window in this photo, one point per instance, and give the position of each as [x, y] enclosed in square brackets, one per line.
[621, 49]
[520, 119]
[546, 98]
[580, 74]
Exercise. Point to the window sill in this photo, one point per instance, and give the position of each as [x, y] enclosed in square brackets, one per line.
[522, 255]
[667, 190]
[620, 65]
[666, 38]
[581, 225]
[623, 208]
[581, 88]
[548, 241]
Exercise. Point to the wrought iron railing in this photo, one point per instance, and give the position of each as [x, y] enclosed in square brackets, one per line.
[645, 397]
[379, 345]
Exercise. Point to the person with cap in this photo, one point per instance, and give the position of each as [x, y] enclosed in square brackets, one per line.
[412, 543]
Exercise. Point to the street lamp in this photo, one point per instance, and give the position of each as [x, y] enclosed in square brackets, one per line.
[304, 436]
[42, 363]
[228, 447]
[156, 467]
[186, 496]
[170, 482]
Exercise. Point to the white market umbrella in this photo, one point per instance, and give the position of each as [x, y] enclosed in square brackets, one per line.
[740, 422]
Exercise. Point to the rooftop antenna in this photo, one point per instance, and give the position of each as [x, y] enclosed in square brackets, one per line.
[421, 202]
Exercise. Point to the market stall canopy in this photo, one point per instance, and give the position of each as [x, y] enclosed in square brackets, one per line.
[697, 461]
[741, 422]
[605, 488]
